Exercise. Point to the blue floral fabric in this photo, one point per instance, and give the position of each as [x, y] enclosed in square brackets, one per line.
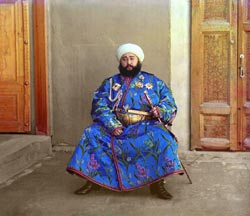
[144, 153]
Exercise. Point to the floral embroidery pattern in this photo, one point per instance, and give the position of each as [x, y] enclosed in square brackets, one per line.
[139, 84]
[149, 85]
[142, 174]
[169, 164]
[92, 164]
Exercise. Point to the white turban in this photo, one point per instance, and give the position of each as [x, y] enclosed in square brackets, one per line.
[130, 48]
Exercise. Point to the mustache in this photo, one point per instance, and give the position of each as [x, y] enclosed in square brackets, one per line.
[130, 66]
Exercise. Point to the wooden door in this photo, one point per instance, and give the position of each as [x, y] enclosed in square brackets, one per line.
[14, 66]
[244, 76]
[214, 75]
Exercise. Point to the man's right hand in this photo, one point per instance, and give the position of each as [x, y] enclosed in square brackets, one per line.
[118, 131]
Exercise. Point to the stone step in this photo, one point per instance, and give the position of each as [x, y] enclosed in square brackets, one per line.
[18, 152]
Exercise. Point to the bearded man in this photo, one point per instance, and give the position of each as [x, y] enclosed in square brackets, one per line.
[127, 147]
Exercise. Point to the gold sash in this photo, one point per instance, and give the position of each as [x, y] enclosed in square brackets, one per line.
[132, 116]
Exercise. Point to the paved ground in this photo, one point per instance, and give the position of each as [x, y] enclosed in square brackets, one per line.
[221, 187]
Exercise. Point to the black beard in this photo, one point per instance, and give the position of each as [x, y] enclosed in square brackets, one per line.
[130, 73]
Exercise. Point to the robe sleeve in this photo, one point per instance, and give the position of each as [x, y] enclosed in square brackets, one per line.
[167, 105]
[102, 108]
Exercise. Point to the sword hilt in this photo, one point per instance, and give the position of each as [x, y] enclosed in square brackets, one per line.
[150, 103]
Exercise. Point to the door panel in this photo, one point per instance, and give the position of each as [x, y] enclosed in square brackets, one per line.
[14, 66]
[213, 77]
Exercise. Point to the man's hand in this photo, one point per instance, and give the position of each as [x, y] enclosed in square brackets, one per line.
[155, 112]
[118, 131]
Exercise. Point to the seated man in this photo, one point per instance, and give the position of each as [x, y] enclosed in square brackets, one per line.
[127, 147]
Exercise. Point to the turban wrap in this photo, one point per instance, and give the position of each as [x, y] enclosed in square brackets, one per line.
[130, 48]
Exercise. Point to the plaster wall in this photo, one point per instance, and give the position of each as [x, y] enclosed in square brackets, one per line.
[180, 69]
[83, 38]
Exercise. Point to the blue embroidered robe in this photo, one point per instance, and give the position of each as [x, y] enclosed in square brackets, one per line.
[145, 152]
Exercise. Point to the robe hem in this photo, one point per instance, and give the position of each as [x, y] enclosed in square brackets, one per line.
[79, 173]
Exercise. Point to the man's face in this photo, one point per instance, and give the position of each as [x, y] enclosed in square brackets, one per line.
[129, 61]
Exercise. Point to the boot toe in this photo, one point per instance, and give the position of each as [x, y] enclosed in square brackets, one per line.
[159, 189]
[85, 189]
[165, 195]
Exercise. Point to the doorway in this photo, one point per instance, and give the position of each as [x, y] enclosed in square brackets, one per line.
[220, 75]
[15, 99]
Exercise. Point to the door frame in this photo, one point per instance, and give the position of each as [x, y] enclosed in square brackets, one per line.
[243, 104]
[240, 50]
[41, 68]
